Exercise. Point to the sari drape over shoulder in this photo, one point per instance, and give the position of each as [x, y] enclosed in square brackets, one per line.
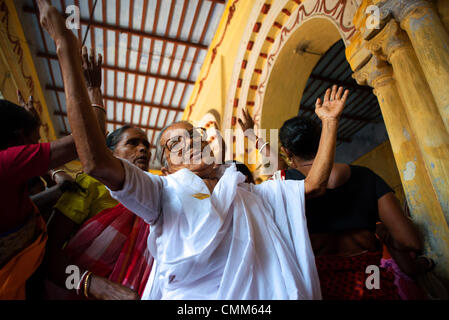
[15, 273]
[240, 242]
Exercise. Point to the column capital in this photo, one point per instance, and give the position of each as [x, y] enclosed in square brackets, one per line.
[402, 9]
[389, 40]
[376, 73]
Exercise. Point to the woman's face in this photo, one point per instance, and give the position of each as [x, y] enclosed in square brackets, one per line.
[135, 148]
[195, 156]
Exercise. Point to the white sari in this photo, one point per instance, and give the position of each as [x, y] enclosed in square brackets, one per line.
[240, 242]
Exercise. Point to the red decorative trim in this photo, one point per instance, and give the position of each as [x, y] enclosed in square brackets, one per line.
[213, 56]
[234, 121]
[259, 71]
[244, 63]
[263, 55]
[17, 49]
[277, 25]
[269, 39]
[250, 103]
[257, 27]
[337, 13]
[239, 83]
[266, 7]
[236, 103]
[253, 87]
[287, 12]
[250, 45]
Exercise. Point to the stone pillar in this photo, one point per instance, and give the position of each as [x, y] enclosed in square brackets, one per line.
[420, 19]
[422, 112]
[423, 203]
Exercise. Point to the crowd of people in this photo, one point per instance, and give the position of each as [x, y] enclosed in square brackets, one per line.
[199, 230]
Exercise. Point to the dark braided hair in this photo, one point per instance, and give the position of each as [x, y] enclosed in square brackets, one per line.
[301, 136]
[116, 136]
[15, 122]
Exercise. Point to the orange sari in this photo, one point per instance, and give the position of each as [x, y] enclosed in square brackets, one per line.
[15, 273]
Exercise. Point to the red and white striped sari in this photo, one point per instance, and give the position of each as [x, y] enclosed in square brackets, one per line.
[113, 244]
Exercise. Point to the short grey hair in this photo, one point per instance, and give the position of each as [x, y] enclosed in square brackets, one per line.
[160, 149]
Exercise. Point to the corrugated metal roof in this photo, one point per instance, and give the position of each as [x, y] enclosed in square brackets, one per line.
[153, 51]
[362, 106]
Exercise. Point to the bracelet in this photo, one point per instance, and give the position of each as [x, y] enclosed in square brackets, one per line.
[79, 283]
[55, 172]
[257, 141]
[430, 262]
[99, 107]
[85, 284]
[261, 149]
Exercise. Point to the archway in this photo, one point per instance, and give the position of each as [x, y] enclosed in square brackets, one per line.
[292, 69]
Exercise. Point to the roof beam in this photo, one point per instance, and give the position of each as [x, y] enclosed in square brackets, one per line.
[139, 33]
[119, 123]
[344, 116]
[123, 100]
[345, 84]
[126, 70]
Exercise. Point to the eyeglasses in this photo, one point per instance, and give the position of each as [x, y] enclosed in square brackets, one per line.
[179, 142]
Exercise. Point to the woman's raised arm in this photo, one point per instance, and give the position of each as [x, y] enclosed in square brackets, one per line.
[90, 142]
[329, 112]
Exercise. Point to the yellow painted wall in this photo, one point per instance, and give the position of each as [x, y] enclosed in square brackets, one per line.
[292, 70]
[17, 70]
[215, 75]
[381, 161]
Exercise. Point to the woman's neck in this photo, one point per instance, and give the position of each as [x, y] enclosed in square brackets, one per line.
[301, 165]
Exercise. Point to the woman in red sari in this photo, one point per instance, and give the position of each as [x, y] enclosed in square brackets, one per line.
[110, 244]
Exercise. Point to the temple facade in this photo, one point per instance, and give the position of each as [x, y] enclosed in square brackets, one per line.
[398, 48]
[258, 60]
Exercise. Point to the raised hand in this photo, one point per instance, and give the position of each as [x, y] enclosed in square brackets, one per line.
[332, 106]
[52, 21]
[91, 68]
[248, 122]
[29, 106]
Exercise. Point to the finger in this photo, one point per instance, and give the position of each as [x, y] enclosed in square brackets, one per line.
[241, 123]
[318, 103]
[31, 102]
[100, 60]
[327, 95]
[246, 114]
[334, 91]
[339, 93]
[20, 98]
[345, 96]
[92, 57]
[85, 57]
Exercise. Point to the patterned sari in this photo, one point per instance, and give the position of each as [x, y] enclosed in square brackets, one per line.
[113, 244]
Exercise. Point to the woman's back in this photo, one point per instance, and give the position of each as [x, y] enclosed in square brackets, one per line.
[343, 220]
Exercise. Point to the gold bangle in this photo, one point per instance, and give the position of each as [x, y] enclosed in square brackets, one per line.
[85, 284]
[99, 107]
[55, 172]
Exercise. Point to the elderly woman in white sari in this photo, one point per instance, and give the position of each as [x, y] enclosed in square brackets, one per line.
[212, 236]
